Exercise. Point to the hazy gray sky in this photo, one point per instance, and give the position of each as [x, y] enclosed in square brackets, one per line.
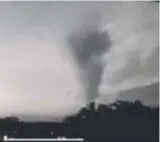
[37, 71]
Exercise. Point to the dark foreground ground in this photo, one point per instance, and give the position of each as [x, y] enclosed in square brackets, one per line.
[121, 121]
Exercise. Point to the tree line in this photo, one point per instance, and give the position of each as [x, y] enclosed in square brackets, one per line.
[121, 121]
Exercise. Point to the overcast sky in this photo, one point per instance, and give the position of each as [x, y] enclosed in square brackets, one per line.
[37, 71]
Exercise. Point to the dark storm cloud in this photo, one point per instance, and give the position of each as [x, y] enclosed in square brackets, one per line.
[148, 93]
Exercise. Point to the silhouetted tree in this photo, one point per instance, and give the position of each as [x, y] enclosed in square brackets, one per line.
[119, 121]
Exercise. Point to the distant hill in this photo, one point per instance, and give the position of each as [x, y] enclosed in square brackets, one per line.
[33, 118]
